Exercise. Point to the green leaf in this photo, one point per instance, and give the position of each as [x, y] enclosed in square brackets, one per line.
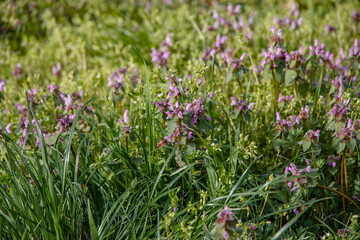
[190, 147]
[352, 144]
[303, 88]
[306, 145]
[341, 147]
[334, 170]
[93, 230]
[290, 76]
[171, 126]
[229, 77]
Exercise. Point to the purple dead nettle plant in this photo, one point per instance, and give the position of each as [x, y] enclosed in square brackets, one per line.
[293, 20]
[160, 56]
[68, 104]
[180, 117]
[329, 29]
[333, 160]
[311, 138]
[7, 130]
[304, 113]
[354, 51]
[347, 135]
[18, 72]
[242, 105]
[135, 78]
[225, 224]
[124, 122]
[32, 98]
[282, 125]
[56, 70]
[298, 182]
[2, 85]
[285, 99]
[116, 80]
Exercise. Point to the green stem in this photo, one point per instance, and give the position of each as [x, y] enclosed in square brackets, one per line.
[313, 157]
[276, 90]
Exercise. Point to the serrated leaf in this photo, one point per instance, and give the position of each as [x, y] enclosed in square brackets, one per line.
[229, 77]
[290, 76]
[340, 147]
[239, 74]
[171, 126]
[190, 147]
[306, 145]
[334, 170]
[352, 144]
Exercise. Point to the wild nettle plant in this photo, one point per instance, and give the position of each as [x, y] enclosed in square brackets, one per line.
[216, 125]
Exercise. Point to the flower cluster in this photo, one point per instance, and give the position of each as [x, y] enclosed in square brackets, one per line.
[317, 49]
[295, 183]
[2, 85]
[281, 124]
[332, 160]
[347, 132]
[116, 80]
[312, 136]
[293, 20]
[230, 18]
[285, 99]
[340, 110]
[125, 122]
[181, 116]
[219, 47]
[8, 130]
[242, 105]
[225, 222]
[56, 70]
[160, 56]
[304, 113]
[354, 51]
[18, 72]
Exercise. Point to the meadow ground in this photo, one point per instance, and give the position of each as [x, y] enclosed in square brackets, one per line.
[179, 119]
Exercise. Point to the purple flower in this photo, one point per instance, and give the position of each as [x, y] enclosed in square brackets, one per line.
[304, 113]
[167, 42]
[287, 99]
[219, 44]
[355, 17]
[296, 182]
[347, 132]
[354, 50]
[233, 11]
[317, 49]
[161, 55]
[135, 78]
[56, 70]
[312, 136]
[225, 222]
[277, 36]
[53, 88]
[329, 28]
[8, 128]
[17, 73]
[355, 198]
[2, 84]
[242, 105]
